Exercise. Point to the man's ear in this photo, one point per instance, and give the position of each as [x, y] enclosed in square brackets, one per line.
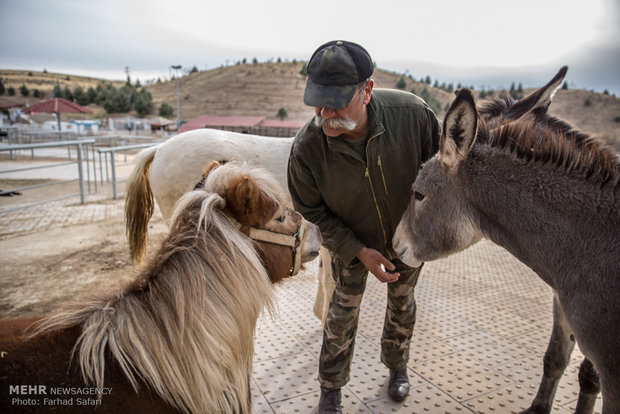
[368, 91]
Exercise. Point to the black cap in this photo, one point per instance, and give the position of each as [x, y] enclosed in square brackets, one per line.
[334, 71]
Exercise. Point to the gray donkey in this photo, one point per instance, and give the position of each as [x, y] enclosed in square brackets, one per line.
[548, 194]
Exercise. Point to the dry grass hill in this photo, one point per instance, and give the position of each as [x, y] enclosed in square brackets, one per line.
[261, 89]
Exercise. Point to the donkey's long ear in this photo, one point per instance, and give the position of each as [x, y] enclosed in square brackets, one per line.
[538, 101]
[459, 129]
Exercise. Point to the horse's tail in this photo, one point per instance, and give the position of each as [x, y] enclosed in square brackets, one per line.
[139, 204]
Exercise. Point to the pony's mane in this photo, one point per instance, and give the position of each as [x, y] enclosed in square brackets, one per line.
[548, 140]
[185, 326]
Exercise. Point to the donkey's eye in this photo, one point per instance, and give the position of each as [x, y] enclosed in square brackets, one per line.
[418, 196]
[282, 217]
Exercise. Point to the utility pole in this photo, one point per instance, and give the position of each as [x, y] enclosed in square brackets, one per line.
[176, 77]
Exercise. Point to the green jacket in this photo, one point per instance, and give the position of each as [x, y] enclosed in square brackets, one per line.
[357, 202]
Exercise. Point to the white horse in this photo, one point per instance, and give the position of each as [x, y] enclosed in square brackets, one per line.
[167, 171]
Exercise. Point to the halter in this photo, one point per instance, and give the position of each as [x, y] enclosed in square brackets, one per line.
[281, 239]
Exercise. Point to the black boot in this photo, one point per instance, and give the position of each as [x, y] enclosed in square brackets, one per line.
[329, 403]
[398, 387]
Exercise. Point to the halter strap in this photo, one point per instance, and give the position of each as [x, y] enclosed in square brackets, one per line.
[281, 239]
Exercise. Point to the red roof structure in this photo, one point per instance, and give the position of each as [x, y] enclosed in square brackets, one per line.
[56, 106]
[246, 124]
[231, 123]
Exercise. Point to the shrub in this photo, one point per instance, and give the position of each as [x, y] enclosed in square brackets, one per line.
[80, 96]
[57, 92]
[282, 113]
[24, 90]
[165, 110]
[92, 95]
[66, 93]
[401, 84]
[143, 102]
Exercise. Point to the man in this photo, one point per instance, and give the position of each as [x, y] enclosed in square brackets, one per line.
[350, 172]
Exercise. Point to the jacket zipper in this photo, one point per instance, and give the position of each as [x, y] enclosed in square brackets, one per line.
[372, 190]
[382, 175]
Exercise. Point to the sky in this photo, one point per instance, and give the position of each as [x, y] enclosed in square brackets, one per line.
[479, 43]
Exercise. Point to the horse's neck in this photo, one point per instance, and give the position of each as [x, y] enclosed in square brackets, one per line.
[543, 218]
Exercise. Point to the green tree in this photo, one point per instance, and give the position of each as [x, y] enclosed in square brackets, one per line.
[282, 113]
[80, 96]
[304, 70]
[166, 110]
[2, 88]
[24, 90]
[11, 91]
[66, 93]
[143, 102]
[116, 100]
[57, 91]
[37, 93]
[425, 94]
[92, 95]
[194, 69]
[402, 83]
[516, 93]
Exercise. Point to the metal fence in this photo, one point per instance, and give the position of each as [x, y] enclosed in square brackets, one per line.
[96, 159]
[81, 159]
[110, 156]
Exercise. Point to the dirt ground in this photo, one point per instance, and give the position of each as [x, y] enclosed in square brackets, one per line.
[42, 269]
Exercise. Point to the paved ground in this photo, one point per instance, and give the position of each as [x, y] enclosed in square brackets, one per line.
[483, 324]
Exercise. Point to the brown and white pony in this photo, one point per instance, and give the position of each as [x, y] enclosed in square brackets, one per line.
[165, 172]
[548, 194]
[179, 338]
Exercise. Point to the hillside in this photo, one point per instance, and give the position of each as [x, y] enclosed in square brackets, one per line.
[262, 89]
[255, 90]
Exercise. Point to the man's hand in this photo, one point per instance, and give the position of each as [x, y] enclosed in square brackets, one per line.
[377, 265]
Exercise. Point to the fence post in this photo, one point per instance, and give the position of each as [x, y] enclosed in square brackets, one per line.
[80, 173]
[113, 167]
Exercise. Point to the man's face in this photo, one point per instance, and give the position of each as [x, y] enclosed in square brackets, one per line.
[347, 120]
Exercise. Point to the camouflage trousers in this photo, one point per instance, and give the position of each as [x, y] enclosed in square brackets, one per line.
[343, 315]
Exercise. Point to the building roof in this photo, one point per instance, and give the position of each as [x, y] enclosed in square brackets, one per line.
[56, 105]
[221, 121]
[275, 123]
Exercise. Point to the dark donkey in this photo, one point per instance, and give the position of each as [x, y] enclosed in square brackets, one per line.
[548, 194]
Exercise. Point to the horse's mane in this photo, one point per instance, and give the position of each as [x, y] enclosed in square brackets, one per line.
[545, 139]
[185, 326]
